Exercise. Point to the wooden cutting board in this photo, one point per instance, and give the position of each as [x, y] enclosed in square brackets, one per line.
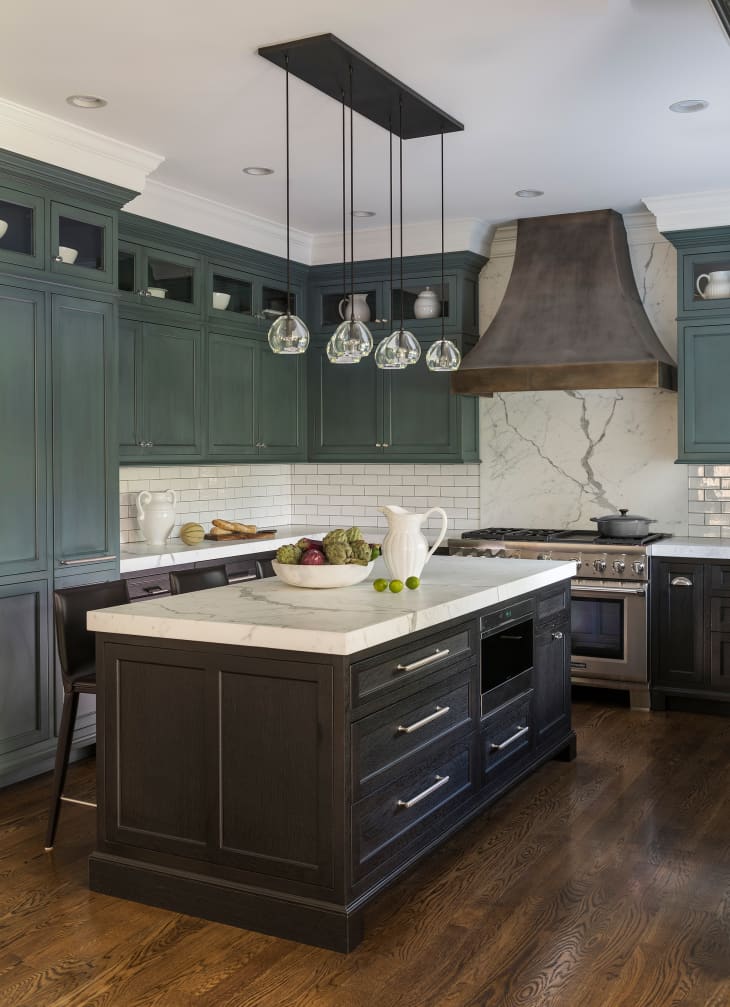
[240, 536]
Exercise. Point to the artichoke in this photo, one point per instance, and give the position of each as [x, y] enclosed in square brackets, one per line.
[303, 544]
[336, 535]
[337, 552]
[360, 553]
[288, 554]
[354, 534]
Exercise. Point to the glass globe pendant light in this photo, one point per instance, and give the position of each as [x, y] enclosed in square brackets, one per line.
[385, 357]
[443, 355]
[402, 344]
[352, 339]
[288, 334]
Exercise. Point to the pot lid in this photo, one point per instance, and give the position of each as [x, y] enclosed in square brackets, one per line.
[623, 515]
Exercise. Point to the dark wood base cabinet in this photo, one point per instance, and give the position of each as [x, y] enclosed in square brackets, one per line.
[281, 791]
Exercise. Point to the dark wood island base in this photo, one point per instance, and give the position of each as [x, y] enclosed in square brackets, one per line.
[281, 791]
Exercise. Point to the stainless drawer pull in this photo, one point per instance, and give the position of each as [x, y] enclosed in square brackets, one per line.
[241, 579]
[436, 656]
[155, 589]
[585, 590]
[91, 559]
[441, 781]
[441, 711]
[508, 742]
[681, 582]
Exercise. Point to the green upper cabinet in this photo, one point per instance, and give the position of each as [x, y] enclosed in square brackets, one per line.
[255, 400]
[160, 390]
[24, 444]
[345, 407]
[82, 243]
[330, 304]
[85, 473]
[229, 295]
[160, 279]
[21, 229]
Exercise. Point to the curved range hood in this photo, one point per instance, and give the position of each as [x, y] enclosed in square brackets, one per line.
[571, 317]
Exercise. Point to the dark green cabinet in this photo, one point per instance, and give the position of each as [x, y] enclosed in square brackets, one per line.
[85, 479]
[345, 407]
[24, 632]
[24, 444]
[158, 278]
[21, 229]
[255, 400]
[160, 390]
[82, 242]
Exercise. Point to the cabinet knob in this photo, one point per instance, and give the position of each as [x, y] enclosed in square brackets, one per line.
[386, 445]
[557, 635]
[377, 445]
[57, 258]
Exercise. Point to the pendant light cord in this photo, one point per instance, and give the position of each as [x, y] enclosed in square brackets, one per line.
[288, 258]
[390, 210]
[352, 214]
[344, 206]
[400, 201]
[443, 287]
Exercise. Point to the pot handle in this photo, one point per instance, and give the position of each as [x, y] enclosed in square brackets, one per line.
[702, 276]
[142, 500]
[442, 533]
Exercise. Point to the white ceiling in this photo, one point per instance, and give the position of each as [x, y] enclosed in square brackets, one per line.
[568, 96]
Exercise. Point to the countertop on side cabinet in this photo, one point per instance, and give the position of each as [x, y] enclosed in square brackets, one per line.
[692, 548]
[268, 613]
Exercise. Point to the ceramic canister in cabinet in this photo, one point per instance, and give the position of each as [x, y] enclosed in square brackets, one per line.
[156, 514]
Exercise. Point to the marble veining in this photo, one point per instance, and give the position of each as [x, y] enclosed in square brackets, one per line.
[691, 548]
[268, 613]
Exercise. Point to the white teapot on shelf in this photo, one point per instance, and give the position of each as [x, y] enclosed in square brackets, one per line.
[405, 549]
[156, 514]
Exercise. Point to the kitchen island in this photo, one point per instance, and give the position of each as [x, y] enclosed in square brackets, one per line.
[272, 757]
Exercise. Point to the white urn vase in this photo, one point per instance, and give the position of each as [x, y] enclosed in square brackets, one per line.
[427, 304]
[156, 514]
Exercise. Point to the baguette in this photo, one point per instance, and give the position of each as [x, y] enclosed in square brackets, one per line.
[220, 533]
[230, 526]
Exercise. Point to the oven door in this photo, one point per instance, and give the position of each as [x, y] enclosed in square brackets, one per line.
[608, 631]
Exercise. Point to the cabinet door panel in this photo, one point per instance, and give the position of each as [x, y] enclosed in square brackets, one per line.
[170, 386]
[279, 405]
[23, 435]
[551, 682]
[24, 632]
[346, 408]
[705, 406]
[720, 662]
[421, 413]
[129, 349]
[85, 475]
[231, 405]
[677, 632]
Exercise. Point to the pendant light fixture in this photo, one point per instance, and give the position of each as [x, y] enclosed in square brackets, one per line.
[443, 355]
[352, 339]
[288, 334]
[385, 358]
[401, 343]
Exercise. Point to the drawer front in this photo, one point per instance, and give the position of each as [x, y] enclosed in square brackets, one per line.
[239, 570]
[554, 605]
[410, 663]
[720, 614]
[506, 737]
[151, 586]
[392, 818]
[507, 614]
[719, 576]
[388, 736]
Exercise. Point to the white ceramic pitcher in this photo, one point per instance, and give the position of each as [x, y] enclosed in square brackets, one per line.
[405, 549]
[359, 312]
[718, 284]
[156, 514]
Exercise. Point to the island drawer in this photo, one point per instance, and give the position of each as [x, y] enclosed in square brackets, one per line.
[151, 585]
[384, 823]
[382, 740]
[412, 662]
[506, 736]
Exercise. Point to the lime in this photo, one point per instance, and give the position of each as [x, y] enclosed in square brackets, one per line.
[396, 586]
[413, 583]
[380, 584]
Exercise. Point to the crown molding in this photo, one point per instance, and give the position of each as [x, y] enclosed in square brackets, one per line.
[467, 234]
[218, 220]
[690, 210]
[56, 141]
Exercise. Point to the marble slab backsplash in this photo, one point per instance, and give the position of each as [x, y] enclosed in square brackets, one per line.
[327, 495]
[558, 458]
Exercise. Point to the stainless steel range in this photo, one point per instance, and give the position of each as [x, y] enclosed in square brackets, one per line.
[609, 598]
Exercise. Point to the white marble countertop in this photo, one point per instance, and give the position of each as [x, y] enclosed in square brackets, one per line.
[268, 613]
[692, 548]
[139, 556]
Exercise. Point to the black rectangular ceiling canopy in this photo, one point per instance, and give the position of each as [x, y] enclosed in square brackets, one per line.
[723, 12]
[324, 62]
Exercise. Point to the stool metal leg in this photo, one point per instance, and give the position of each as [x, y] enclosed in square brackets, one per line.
[63, 750]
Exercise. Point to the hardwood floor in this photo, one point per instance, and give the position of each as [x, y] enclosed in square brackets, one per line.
[600, 882]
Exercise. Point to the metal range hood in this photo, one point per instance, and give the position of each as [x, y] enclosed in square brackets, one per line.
[571, 317]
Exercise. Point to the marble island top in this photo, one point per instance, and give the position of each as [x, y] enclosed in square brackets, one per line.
[268, 613]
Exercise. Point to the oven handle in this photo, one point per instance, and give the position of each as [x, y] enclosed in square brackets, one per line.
[640, 591]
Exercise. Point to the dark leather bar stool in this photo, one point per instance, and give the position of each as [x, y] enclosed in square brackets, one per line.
[77, 656]
[183, 581]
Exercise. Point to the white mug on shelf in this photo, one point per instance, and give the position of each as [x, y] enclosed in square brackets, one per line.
[221, 300]
[718, 284]
[67, 254]
[3, 228]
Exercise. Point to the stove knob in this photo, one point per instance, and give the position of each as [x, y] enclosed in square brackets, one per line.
[638, 566]
[619, 565]
[599, 565]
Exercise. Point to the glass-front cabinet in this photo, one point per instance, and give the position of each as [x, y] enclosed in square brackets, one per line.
[331, 305]
[706, 283]
[157, 278]
[21, 228]
[81, 243]
[423, 301]
[229, 294]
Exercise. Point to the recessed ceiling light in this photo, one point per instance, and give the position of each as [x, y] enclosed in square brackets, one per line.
[689, 105]
[529, 193]
[86, 101]
[258, 171]
[363, 213]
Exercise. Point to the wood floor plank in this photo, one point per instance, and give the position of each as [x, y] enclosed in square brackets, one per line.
[601, 883]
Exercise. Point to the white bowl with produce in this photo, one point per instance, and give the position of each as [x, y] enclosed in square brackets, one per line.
[326, 575]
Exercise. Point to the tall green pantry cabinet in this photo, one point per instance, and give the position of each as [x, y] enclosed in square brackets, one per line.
[59, 506]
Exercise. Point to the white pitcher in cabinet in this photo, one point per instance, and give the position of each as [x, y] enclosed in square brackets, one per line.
[156, 514]
[405, 549]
